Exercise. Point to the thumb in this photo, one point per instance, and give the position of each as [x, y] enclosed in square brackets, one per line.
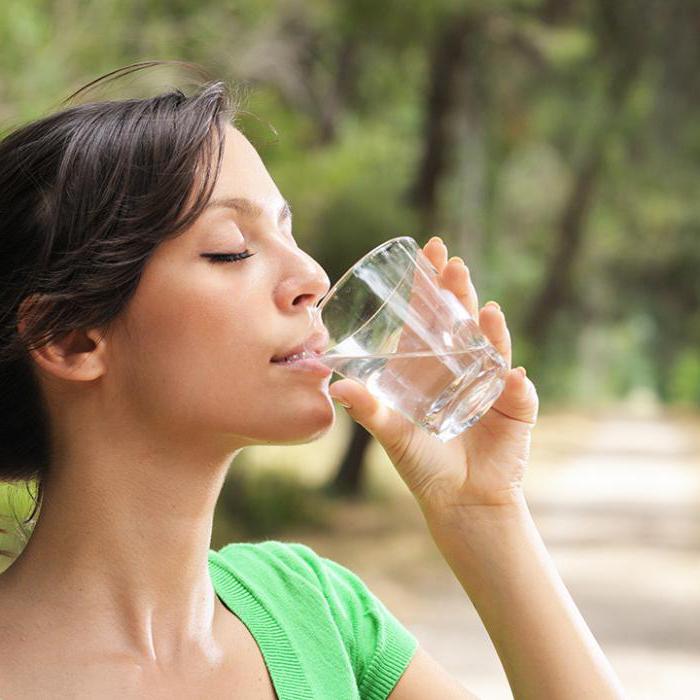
[389, 426]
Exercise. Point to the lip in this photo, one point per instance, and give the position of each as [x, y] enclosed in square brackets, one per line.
[314, 343]
[308, 350]
[308, 365]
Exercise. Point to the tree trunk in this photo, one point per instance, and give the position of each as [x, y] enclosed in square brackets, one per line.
[556, 289]
[620, 45]
[447, 65]
[348, 479]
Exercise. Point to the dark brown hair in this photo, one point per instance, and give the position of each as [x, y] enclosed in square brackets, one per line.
[86, 195]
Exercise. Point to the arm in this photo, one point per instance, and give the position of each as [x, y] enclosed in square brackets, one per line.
[470, 490]
[543, 642]
[425, 678]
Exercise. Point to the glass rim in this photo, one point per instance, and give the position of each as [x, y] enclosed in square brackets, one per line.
[321, 303]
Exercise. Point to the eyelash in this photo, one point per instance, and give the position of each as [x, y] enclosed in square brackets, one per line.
[228, 257]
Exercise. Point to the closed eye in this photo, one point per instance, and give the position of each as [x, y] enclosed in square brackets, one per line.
[227, 257]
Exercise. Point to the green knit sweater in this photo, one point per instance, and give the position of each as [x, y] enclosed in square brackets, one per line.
[323, 634]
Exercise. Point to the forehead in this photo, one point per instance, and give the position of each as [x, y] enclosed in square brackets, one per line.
[243, 174]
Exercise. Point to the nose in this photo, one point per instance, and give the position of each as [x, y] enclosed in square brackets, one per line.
[305, 286]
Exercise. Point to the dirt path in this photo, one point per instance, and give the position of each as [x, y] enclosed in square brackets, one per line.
[617, 499]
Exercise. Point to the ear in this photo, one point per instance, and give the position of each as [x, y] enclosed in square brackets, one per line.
[78, 355]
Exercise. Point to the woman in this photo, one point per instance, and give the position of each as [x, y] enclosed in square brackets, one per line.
[149, 276]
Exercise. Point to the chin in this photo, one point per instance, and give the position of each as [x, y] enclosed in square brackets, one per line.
[305, 428]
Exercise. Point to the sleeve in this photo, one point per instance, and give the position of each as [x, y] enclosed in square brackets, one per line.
[379, 645]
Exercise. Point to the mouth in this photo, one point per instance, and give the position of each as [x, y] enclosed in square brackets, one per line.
[308, 349]
[295, 357]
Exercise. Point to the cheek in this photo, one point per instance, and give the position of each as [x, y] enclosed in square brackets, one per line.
[197, 355]
[213, 353]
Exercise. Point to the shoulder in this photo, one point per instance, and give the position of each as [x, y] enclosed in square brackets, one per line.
[295, 564]
[292, 562]
[379, 646]
[267, 549]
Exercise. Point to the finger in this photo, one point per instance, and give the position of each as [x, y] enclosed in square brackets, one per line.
[518, 400]
[455, 277]
[436, 251]
[493, 324]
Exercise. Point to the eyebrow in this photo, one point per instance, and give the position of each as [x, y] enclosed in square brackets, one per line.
[248, 207]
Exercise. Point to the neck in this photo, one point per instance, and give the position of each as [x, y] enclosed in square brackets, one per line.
[121, 544]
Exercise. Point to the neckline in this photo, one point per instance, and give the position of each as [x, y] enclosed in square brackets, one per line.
[280, 657]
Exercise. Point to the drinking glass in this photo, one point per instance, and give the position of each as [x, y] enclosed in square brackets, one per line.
[409, 341]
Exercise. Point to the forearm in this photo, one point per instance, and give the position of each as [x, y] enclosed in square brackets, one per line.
[545, 646]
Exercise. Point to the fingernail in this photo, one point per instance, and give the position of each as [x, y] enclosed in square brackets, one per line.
[456, 257]
[494, 303]
[343, 403]
[522, 371]
[436, 238]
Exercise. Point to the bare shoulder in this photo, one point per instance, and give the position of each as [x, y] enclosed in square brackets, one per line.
[425, 677]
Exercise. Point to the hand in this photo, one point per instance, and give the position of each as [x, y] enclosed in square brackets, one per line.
[485, 465]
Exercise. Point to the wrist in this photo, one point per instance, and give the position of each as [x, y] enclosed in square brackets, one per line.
[512, 510]
[484, 536]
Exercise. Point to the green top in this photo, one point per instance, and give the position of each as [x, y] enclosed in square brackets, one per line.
[323, 634]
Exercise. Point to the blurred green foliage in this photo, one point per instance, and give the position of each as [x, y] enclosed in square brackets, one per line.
[262, 503]
[16, 507]
[553, 126]
[554, 145]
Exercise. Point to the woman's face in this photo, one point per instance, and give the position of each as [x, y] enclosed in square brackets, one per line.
[194, 344]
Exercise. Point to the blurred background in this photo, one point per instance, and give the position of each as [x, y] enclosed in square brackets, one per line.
[554, 145]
